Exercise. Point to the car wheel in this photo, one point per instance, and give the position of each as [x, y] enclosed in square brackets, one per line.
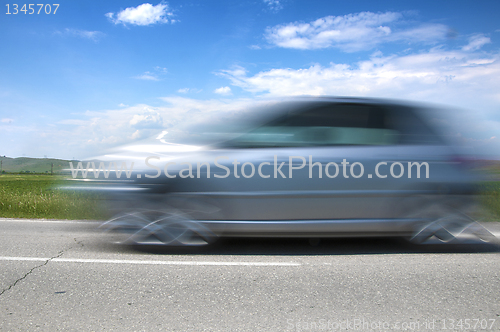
[159, 227]
[444, 221]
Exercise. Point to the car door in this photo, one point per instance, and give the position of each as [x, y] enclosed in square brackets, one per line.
[313, 162]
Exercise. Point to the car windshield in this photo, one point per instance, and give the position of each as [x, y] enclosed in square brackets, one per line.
[216, 127]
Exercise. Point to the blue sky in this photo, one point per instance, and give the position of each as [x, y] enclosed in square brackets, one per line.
[102, 73]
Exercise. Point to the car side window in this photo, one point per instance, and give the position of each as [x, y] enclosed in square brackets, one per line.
[412, 127]
[330, 124]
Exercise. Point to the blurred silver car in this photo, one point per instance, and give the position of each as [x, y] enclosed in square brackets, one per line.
[307, 167]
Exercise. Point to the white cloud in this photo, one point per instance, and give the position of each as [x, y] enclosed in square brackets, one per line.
[147, 76]
[153, 76]
[7, 120]
[92, 35]
[476, 42]
[161, 69]
[273, 5]
[352, 32]
[136, 135]
[145, 14]
[223, 90]
[122, 105]
[188, 90]
[74, 122]
[148, 119]
[465, 79]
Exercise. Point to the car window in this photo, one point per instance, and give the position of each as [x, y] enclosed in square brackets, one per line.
[331, 124]
[413, 128]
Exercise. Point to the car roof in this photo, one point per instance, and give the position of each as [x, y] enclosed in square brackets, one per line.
[349, 99]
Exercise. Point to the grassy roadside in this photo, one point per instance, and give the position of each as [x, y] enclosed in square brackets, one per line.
[36, 196]
[490, 199]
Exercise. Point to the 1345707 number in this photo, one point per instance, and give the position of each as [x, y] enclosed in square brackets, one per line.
[31, 8]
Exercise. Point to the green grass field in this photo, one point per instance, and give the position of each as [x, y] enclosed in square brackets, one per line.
[33, 165]
[37, 196]
[491, 199]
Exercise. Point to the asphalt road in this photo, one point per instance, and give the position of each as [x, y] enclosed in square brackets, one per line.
[61, 275]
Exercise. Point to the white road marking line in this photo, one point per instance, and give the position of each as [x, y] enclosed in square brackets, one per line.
[50, 221]
[35, 259]
[140, 262]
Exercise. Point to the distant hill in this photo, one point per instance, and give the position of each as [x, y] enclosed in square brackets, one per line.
[33, 165]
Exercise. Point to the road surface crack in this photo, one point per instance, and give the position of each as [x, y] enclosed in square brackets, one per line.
[39, 266]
